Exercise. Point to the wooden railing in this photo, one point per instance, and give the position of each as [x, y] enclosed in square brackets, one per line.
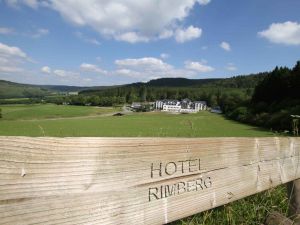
[135, 180]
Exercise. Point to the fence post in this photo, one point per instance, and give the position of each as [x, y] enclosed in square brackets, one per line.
[293, 188]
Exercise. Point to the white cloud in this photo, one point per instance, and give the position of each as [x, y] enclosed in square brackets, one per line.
[231, 67]
[86, 39]
[199, 67]
[226, 46]
[183, 35]
[11, 58]
[131, 37]
[11, 51]
[93, 41]
[6, 30]
[31, 3]
[148, 68]
[130, 73]
[39, 33]
[144, 69]
[33, 34]
[60, 73]
[203, 2]
[164, 55]
[144, 63]
[46, 69]
[92, 68]
[165, 34]
[9, 69]
[287, 33]
[62, 76]
[16, 3]
[125, 20]
[66, 74]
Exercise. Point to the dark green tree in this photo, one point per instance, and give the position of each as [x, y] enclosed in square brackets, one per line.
[143, 93]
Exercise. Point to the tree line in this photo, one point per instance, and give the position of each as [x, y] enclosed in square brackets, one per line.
[274, 100]
[213, 91]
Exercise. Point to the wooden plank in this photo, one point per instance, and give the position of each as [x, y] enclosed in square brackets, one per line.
[135, 180]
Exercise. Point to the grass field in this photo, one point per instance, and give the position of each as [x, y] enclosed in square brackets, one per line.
[48, 111]
[252, 210]
[52, 120]
[61, 121]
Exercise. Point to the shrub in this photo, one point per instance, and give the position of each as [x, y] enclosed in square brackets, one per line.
[240, 114]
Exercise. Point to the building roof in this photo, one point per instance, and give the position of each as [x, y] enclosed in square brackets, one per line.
[201, 102]
[186, 100]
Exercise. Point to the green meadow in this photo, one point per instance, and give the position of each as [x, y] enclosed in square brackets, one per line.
[48, 111]
[63, 121]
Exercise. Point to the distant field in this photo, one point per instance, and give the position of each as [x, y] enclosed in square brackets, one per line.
[48, 111]
[53, 120]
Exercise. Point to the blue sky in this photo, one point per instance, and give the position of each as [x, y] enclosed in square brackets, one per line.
[105, 42]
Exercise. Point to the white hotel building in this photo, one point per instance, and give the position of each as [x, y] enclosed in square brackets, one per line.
[184, 106]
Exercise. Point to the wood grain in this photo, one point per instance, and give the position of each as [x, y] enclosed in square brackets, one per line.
[135, 180]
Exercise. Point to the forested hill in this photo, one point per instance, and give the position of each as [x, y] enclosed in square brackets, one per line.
[243, 81]
[249, 81]
[14, 90]
[10, 89]
[178, 82]
[274, 100]
[66, 88]
[171, 84]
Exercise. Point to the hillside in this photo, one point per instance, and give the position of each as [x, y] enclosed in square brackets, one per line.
[179, 82]
[62, 88]
[173, 84]
[65, 88]
[242, 81]
[273, 102]
[10, 89]
[14, 90]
